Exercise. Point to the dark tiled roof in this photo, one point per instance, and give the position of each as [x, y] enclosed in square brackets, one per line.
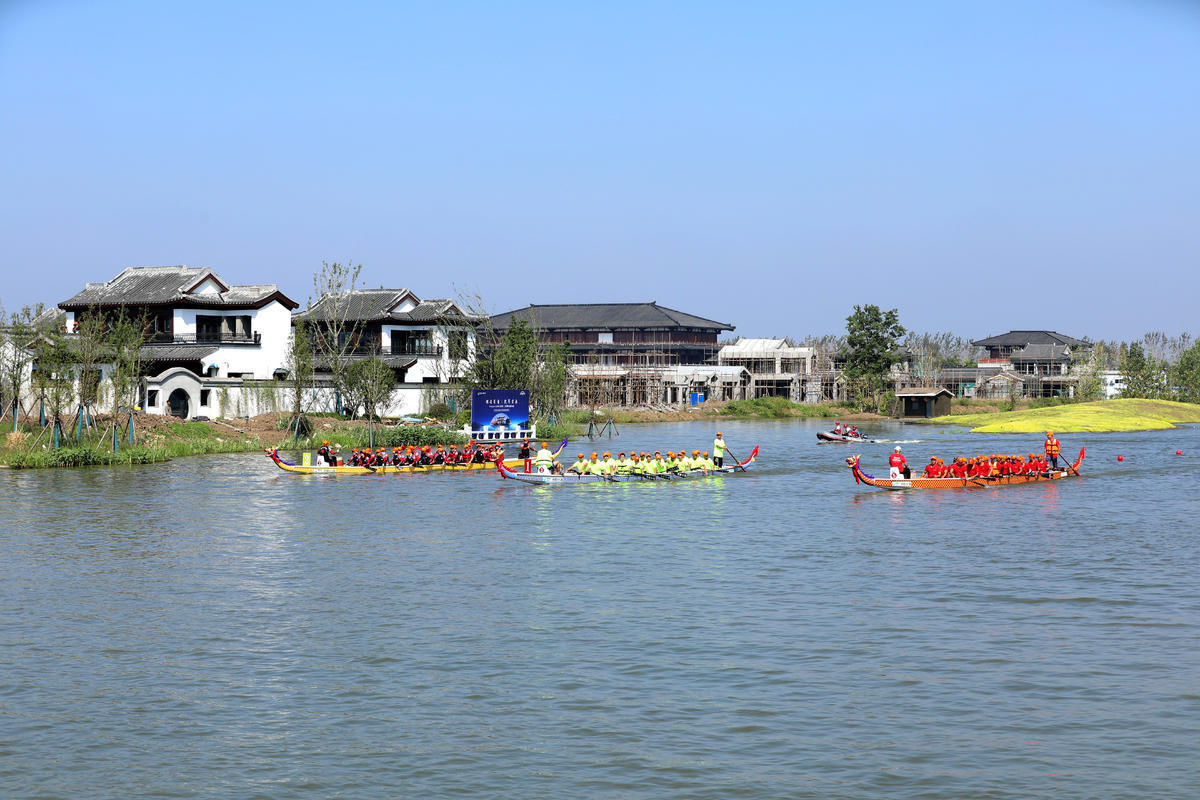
[169, 286]
[1022, 338]
[592, 316]
[361, 305]
[322, 364]
[375, 305]
[176, 352]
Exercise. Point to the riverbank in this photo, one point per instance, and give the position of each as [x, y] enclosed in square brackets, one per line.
[1102, 416]
[759, 408]
[158, 439]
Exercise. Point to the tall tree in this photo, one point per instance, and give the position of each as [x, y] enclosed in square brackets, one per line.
[1089, 371]
[125, 338]
[15, 357]
[514, 360]
[91, 349]
[872, 337]
[1144, 375]
[299, 363]
[53, 373]
[335, 332]
[1185, 375]
[370, 384]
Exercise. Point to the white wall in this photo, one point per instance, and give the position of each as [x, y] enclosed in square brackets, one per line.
[273, 322]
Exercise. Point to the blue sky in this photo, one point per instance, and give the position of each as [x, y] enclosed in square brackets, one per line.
[980, 166]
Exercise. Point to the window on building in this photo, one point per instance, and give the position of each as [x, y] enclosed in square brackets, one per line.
[605, 337]
[458, 345]
[429, 379]
[204, 396]
[152, 398]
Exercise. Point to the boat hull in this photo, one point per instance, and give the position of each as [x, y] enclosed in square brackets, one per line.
[825, 436]
[574, 479]
[960, 483]
[300, 469]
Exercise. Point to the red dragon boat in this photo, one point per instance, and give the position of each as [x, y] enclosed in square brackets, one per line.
[1072, 470]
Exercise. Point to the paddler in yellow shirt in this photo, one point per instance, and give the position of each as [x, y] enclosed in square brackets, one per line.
[622, 465]
[580, 467]
[607, 466]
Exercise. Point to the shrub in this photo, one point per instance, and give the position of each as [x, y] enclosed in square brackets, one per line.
[440, 411]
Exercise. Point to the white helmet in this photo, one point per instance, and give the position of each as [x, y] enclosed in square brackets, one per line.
[897, 448]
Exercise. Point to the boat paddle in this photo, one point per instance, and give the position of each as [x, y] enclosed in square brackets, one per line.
[737, 462]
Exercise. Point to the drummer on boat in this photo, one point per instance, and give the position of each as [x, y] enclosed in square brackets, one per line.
[326, 457]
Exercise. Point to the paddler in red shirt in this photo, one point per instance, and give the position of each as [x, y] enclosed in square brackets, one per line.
[897, 464]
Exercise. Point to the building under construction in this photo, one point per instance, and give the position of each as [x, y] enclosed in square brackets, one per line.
[634, 354]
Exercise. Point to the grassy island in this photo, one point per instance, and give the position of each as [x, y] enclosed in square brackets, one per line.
[1103, 416]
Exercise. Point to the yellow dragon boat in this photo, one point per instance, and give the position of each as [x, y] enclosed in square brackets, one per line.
[312, 469]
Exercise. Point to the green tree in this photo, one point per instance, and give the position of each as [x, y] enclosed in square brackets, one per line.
[872, 337]
[16, 335]
[91, 349]
[370, 384]
[1088, 370]
[299, 363]
[515, 361]
[1144, 376]
[1185, 375]
[336, 329]
[53, 373]
[508, 363]
[125, 338]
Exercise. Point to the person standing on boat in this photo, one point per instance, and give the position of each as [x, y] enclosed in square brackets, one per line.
[526, 454]
[544, 460]
[898, 464]
[1053, 448]
[719, 450]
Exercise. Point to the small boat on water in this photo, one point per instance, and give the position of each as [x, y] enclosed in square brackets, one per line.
[1072, 470]
[391, 469]
[830, 436]
[573, 478]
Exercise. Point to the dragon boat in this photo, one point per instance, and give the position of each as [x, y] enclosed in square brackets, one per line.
[574, 478]
[1072, 470]
[390, 469]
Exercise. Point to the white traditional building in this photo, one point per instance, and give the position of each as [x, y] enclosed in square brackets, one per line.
[205, 338]
[426, 343]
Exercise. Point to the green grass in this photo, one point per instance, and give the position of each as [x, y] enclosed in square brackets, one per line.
[1102, 416]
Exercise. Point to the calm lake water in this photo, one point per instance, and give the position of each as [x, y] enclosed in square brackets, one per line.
[216, 628]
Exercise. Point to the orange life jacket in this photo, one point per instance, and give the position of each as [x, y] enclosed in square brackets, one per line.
[1052, 447]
